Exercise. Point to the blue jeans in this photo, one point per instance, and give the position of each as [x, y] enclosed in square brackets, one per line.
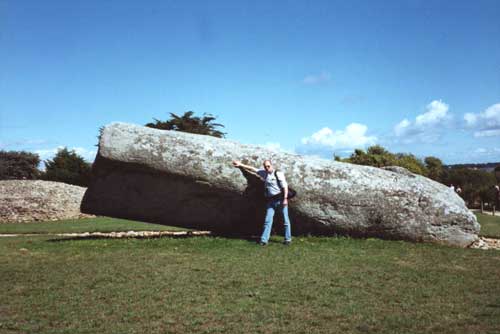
[268, 223]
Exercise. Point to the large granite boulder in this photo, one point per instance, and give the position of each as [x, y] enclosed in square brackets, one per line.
[188, 180]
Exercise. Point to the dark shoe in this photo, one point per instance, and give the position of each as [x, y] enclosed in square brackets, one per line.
[263, 244]
[287, 242]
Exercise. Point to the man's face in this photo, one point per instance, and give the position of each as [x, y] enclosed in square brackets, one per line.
[268, 167]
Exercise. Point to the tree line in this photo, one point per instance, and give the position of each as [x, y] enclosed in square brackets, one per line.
[476, 185]
[67, 166]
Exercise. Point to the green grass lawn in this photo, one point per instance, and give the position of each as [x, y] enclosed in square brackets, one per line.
[490, 225]
[99, 224]
[214, 285]
[223, 285]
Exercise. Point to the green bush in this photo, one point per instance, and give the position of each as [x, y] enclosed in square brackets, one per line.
[435, 168]
[378, 156]
[16, 165]
[68, 167]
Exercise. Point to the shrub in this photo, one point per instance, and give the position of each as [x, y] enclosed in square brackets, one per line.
[378, 156]
[435, 168]
[68, 167]
[18, 165]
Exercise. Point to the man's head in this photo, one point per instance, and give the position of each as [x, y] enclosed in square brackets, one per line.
[268, 166]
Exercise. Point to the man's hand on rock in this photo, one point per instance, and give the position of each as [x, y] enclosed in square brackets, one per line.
[239, 164]
[285, 202]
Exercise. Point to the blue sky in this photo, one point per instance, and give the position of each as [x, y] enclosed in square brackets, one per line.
[312, 77]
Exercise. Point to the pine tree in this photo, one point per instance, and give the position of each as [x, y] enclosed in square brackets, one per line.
[68, 167]
[190, 123]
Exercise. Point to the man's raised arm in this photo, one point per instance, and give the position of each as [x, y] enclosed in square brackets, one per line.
[240, 164]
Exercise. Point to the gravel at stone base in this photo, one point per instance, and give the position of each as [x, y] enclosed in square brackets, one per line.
[37, 200]
[486, 243]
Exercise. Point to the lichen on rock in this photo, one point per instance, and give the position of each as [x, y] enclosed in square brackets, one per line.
[188, 180]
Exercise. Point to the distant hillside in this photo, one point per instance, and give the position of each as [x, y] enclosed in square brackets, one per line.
[488, 167]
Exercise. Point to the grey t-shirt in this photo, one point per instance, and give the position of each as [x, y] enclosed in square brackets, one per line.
[270, 183]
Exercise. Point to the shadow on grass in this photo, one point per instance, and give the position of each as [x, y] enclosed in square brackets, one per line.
[255, 239]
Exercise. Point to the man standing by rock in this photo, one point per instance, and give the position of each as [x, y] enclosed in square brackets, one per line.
[276, 193]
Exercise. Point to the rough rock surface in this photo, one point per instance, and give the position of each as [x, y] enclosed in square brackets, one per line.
[188, 180]
[30, 200]
[486, 243]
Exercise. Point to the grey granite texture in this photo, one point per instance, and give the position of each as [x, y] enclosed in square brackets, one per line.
[183, 179]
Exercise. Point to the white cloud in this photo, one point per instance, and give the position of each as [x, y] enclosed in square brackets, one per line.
[470, 119]
[88, 155]
[437, 111]
[490, 151]
[472, 155]
[47, 153]
[486, 123]
[23, 142]
[277, 147]
[354, 136]
[402, 127]
[314, 79]
[487, 133]
[273, 146]
[427, 127]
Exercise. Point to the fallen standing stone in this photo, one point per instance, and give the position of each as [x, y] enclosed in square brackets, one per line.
[188, 180]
